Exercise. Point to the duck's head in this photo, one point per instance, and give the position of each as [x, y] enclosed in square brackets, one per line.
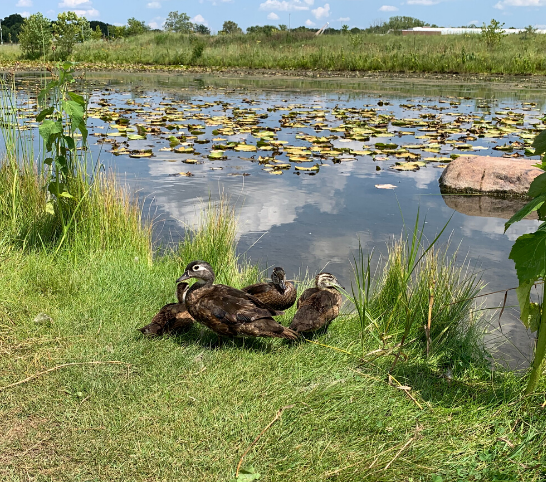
[327, 280]
[200, 270]
[278, 276]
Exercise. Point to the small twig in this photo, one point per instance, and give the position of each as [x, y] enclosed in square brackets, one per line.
[36, 375]
[277, 417]
[406, 390]
[399, 452]
[503, 306]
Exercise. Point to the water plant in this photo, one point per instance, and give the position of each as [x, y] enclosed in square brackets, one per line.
[420, 296]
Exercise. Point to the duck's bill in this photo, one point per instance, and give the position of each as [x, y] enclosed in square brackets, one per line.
[184, 277]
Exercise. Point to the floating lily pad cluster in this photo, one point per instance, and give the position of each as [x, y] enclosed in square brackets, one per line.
[280, 137]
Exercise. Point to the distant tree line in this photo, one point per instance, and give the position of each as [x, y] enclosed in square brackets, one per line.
[11, 26]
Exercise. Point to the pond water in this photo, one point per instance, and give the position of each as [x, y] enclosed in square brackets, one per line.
[302, 161]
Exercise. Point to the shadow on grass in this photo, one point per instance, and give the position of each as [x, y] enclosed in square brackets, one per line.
[482, 386]
[204, 338]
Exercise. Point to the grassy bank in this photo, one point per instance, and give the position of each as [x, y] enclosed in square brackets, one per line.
[304, 51]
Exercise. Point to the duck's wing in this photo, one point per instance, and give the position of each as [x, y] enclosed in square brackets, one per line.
[159, 321]
[319, 309]
[306, 295]
[230, 305]
[258, 289]
[267, 327]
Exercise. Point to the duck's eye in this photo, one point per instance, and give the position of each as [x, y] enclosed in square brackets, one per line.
[196, 267]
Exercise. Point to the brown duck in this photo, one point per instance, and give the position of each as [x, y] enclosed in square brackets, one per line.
[228, 311]
[318, 306]
[172, 318]
[277, 294]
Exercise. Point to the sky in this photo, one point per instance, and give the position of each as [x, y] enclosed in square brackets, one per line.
[312, 13]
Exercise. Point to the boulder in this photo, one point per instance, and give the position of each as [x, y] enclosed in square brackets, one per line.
[491, 175]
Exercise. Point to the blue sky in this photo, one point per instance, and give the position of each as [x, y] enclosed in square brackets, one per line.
[313, 13]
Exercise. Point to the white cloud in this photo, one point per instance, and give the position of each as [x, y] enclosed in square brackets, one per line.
[272, 16]
[388, 8]
[156, 23]
[310, 23]
[286, 5]
[474, 22]
[423, 2]
[153, 5]
[520, 3]
[343, 19]
[73, 3]
[321, 12]
[91, 13]
[199, 20]
[25, 14]
[24, 3]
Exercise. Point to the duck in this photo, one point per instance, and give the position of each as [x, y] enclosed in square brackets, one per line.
[172, 318]
[228, 311]
[318, 306]
[277, 294]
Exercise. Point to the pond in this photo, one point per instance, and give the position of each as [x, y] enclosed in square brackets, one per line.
[317, 167]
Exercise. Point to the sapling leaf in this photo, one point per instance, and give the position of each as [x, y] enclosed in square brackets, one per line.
[530, 312]
[66, 194]
[43, 93]
[49, 208]
[529, 255]
[74, 111]
[42, 115]
[539, 143]
[49, 128]
[69, 142]
[538, 186]
[531, 206]
[48, 161]
[76, 98]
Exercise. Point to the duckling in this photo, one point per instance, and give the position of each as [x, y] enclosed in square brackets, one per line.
[318, 306]
[228, 311]
[172, 318]
[278, 294]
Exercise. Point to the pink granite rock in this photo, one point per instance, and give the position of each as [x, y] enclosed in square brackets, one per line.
[486, 174]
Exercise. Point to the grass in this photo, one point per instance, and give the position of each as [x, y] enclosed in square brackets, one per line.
[516, 54]
[174, 408]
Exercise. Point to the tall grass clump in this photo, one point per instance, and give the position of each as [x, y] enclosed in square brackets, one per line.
[421, 300]
[214, 240]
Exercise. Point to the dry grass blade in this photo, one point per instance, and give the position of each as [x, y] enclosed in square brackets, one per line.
[268, 426]
[58, 367]
[406, 390]
[398, 453]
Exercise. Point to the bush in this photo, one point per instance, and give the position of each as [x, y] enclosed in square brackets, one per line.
[35, 37]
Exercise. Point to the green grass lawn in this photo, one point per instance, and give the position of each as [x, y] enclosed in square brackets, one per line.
[177, 408]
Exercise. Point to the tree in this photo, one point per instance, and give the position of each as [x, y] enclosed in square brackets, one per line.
[201, 29]
[11, 26]
[345, 29]
[104, 27]
[178, 22]
[69, 29]
[135, 27]
[35, 36]
[493, 33]
[395, 23]
[231, 27]
[97, 33]
[262, 30]
[283, 27]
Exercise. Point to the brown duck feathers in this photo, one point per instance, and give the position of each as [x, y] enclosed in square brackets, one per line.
[228, 311]
[277, 294]
[172, 318]
[319, 306]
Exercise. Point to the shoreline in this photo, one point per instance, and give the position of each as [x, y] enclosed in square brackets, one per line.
[236, 72]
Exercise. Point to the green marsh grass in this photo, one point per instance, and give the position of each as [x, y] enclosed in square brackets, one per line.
[366, 52]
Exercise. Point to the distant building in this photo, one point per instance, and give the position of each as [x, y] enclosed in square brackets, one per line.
[456, 31]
